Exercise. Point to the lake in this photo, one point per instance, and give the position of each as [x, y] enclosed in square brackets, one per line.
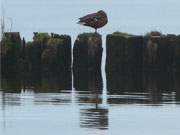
[91, 103]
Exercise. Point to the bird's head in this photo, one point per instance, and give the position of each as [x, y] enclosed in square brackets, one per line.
[102, 13]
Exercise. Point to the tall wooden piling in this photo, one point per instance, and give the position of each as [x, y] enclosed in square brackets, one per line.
[157, 54]
[88, 81]
[175, 41]
[35, 50]
[87, 56]
[130, 54]
[11, 53]
[117, 83]
[56, 57]
[124, 53]
[49, 54]
[87, 52]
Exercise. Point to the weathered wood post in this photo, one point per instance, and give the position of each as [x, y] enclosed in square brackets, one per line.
[39, 44]
[157, 54]
[56, 57]
[134, 54]
[49, 54]
[175, 41]
[88, 81]
[119, 84]
[87, 52]
[87, 56]
[34, 51]
[124, 53]
[10, 53]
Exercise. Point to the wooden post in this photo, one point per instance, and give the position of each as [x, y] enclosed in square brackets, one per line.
[124, 53]
[87, 52]
[157, 54]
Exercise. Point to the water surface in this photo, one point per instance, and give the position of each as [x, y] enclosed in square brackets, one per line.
[125, 105]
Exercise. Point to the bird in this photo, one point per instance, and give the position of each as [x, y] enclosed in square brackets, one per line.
[94, 20]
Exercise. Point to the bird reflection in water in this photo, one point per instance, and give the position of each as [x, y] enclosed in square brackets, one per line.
[154, 88]
[90, 83]
[94, 118]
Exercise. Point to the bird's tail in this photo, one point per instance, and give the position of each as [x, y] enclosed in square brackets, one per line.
[81, 22]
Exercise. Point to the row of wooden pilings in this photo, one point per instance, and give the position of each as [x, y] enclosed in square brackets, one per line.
[124, 53]
[129, 54]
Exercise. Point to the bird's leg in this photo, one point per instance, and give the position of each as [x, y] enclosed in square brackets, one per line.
[95, 30]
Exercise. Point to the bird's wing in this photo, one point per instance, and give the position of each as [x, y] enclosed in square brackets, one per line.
[88, 18]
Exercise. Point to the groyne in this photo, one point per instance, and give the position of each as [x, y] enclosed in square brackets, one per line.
[149, 53]
[125, 53]
[46, 54]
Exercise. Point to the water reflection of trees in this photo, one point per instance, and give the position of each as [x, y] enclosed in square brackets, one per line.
[147, 88]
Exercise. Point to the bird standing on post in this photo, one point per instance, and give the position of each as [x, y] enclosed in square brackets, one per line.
[94, 20]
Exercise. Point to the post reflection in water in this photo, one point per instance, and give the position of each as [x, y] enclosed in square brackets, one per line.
[38, 83]
[177, 86]
[143, 88]
[94, 118]
[53, 95]
[90, 84]
[13, 88]
[159, 87]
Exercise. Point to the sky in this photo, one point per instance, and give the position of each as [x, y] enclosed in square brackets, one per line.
[60, 16]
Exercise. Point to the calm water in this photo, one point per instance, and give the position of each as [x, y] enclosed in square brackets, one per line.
[91, 104]
[84, 105]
